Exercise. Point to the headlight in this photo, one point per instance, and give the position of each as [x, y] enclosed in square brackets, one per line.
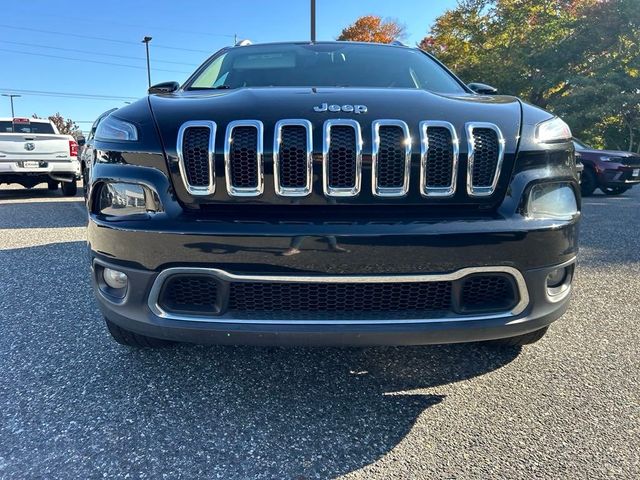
[552, 200]
[606, 158]
[553, 130]
[112, 129]
[123, 199]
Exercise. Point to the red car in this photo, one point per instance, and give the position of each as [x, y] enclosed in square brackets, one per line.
[612, 171]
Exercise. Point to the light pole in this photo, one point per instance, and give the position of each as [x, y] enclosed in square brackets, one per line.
[11, 97]
[313, 20]
[146, 41]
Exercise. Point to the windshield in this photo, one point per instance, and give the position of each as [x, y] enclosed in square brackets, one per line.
[10, 127]
[325, 65]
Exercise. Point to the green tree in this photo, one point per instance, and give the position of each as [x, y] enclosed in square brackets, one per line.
[372, 28]
[577, 58]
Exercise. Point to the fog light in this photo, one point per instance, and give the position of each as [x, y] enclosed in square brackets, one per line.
[552, 201]
[115, 279]
[556, 278]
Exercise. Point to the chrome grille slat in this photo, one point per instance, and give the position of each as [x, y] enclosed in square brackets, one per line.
[341, 165]
[391, 158]
[243, 158]
[293, 158]
[342, 143]
[438, 159]
[195, 154]
[485, 156]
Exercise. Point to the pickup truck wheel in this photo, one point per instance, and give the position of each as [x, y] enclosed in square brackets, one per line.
[51, 185]
[526, 339]
[612, 191]
[588, 182]
[130, 339]
[69, 189]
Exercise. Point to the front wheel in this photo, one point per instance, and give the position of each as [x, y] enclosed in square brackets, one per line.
[69, 189]
[520, 340]
[612, 191]
[131, 339]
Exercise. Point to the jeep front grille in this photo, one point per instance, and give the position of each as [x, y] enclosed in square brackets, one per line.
[390, 158]
[486, 152]
[243, 158]
[293, 158]
[342, 158]
[342, 143]
[439, 159]
[195, 156]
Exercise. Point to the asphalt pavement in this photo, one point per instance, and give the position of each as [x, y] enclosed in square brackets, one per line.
[74, 404]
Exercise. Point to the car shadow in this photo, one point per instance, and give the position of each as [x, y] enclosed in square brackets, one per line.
[196, 411]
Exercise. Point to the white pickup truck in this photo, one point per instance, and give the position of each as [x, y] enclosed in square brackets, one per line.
[32, 151]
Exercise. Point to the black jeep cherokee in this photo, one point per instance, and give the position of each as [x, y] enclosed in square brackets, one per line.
[331, 193]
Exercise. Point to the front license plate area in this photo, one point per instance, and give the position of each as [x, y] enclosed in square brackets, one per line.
[636, 173]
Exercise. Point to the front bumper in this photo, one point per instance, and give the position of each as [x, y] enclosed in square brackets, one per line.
[621, 176]
[371, 250]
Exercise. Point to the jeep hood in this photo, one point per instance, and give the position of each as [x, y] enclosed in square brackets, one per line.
[272, 104]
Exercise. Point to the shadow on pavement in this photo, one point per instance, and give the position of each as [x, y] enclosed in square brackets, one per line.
[42, 214]
[76, 404]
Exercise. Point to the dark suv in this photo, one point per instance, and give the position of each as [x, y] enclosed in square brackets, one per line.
[612, 171]
[331, 193]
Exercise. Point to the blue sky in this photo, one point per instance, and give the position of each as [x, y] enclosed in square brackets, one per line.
[184, 34]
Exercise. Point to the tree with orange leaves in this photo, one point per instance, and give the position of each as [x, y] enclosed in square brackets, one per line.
[372, 28]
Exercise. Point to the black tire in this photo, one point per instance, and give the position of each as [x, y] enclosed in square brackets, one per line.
[613, 191]
[520, 340]
[130, 339]
[69, 189]
[588, 182]
[51, 185]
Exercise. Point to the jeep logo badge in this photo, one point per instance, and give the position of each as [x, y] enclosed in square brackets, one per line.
[325, 107]
[29, 146]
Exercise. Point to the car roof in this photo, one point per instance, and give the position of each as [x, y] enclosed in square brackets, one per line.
[327, 42]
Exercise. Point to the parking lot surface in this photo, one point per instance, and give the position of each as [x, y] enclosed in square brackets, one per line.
[74, 404]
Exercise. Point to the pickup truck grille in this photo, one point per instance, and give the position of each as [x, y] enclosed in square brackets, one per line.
[342, 158]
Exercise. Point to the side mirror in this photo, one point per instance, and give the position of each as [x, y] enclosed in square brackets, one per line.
[482, 88]
[164, 87]
[81, 141]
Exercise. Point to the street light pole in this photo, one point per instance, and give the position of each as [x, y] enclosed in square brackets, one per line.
[11, 97]
[146, 41]
[313, 20]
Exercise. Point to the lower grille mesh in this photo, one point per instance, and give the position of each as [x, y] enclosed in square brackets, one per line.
[189, 293]
[340, 297]
[487, 292]
[200, 294]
